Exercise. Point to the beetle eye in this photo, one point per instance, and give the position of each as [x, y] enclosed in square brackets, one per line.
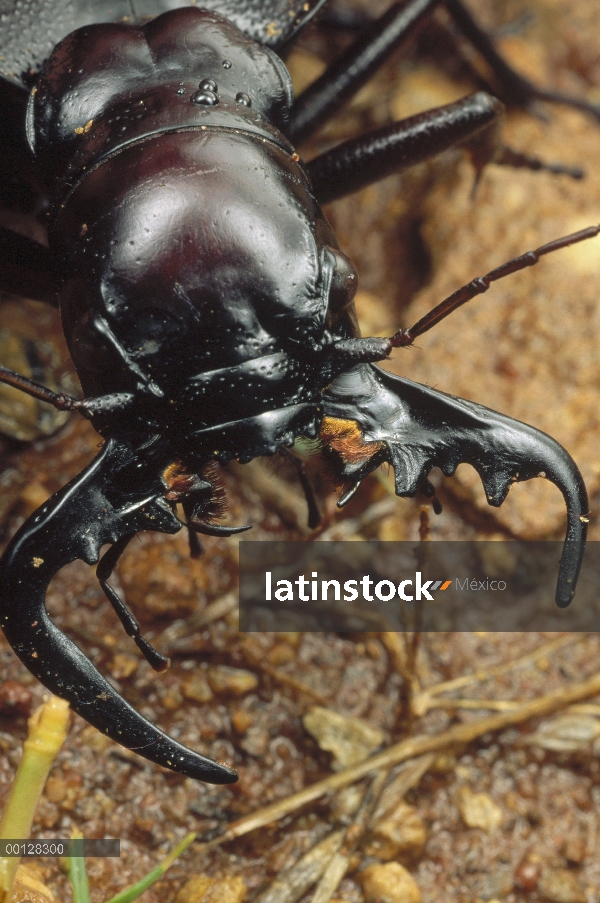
[344, 283]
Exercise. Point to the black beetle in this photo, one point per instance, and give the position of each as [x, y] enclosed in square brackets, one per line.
[205, 301]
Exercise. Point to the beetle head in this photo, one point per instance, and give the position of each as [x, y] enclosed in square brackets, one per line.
[208, 258]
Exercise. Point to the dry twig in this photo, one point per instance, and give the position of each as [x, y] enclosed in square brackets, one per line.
[409, 748]
[377, 800]
[425, 700]
[293, 883]
[339, 862]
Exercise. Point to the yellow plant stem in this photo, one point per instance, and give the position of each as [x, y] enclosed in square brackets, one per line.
[47, 732]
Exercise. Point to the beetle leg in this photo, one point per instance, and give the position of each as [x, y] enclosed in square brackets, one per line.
[352, 69]
[416, 428]
[349, 494]
[364, 160]
[106, 566]
[196, 549]
[428, 490]
[515, 89]
[367, 159]
[209, 529]
[349, 73]
[199, 518]
[97, 507]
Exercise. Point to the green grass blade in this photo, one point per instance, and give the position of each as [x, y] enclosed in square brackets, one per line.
[78, 876]
[136, 890]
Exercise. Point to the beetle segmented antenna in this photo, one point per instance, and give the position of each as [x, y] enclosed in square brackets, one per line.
[87, 407]
[56, 399]
[405, 337]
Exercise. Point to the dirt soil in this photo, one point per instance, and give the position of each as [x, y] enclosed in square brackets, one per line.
[531, 349]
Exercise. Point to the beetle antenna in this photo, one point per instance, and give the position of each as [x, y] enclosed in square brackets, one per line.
[87, 407]
[57, 399]
[481, 284]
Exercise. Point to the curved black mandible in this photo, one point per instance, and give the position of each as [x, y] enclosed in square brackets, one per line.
[75, 523]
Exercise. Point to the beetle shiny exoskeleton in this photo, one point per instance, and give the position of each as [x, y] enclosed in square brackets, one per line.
[206, 304]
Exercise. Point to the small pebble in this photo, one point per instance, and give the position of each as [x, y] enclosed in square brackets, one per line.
[401, 833]
[256, 741]
[347, 802]
[561, 886]
[496, 885]
[478, 810]
[55, 789]
[389, 883]
[574, 849]
[281, 654]
[350, 740]
[172, 700]
[528, 873]
[196, 687]
[123, 666]
[204, 889]
[241, 721]
[237, 681]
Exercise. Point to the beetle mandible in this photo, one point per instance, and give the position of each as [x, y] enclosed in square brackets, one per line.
[207, 306]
